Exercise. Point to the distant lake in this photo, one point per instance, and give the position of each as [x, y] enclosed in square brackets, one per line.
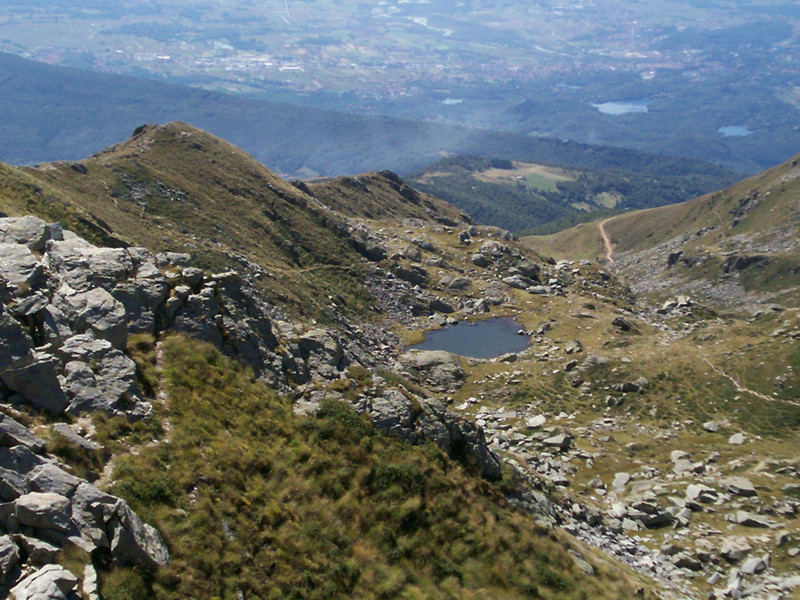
[620, 108]
[484, 339]
[734, 130]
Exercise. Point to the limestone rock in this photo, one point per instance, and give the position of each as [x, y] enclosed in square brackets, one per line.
[51, 582]
[48, 478]
[100, 377]
[739, 486]
[20, 267]
[16, 348]
[9, 556]
[13, 434]
[43, 511]
[94, 310]
[38, 383]
[135, 543]
[436, 368]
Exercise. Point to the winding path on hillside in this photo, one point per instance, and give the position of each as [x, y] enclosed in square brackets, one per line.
[606, 240]
[740, 388]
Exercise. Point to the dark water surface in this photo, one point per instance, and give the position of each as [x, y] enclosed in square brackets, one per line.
[484, 339]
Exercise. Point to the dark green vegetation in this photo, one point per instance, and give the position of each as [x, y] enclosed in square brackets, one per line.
[521, 202]
[251, 498]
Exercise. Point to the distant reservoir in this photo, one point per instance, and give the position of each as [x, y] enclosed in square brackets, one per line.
[484, 339]
[734, 130]
[617, 108]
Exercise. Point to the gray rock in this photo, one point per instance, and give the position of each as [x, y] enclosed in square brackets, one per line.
[428, 421]
[753, 565]
[9, 556]
[38, 551]
[82, 266]
[322, 353]
[561, 441]
[438, 369]
[16, 347]
[67, 432]
[701, 493]
[94, 310]
[620, 481]
[193, 276]
[48, 478]
[51, 582]
[460, 284]
[621, 324]
[536, 422]
[734, 549]
[677, 455]
[739, 486]
[736, 439]
[30, 305]
[43, 511]
[711, 426]
[38, 384]
[517, 282]
[479, 260]
[687, 561]
[573, 347]
[135, 543]
[99, 377]
[30, 231]
[91, 510]
[751, 520]
[13, 434]
[20, 268]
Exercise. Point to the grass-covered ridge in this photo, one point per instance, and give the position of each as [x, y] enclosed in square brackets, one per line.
[251, 498]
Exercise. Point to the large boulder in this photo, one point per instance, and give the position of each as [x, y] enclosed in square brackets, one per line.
[135, 543]
[9, 556]
[16, 348]
[30, 231]
[13, 434]
[100, 377]
[82, 266]
[20, 267]
[94, 310]
[44, 511]
[438, 369]
[322, 353]
[38, 383]
[51, 582]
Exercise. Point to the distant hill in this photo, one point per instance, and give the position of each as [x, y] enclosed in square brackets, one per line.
[521, 195]
[171, 188]
[737, 246]
[53, 113]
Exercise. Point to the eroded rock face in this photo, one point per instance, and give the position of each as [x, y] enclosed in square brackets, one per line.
[419, 420]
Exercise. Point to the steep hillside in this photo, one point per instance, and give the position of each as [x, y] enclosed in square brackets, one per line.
[735, 247]
[195, 430]
[176, 188]
[381, 195]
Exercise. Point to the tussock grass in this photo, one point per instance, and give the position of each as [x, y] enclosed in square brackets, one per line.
[251, 498]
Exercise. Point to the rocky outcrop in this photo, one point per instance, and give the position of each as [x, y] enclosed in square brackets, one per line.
[420, 421]
[439, 370]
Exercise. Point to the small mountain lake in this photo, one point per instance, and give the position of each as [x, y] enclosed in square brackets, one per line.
[734, 130]
[484, 339]
[617, 108]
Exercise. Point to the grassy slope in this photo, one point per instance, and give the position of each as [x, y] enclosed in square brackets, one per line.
[380, 195]
[777, 190]
[251, 498]
[176, 188]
